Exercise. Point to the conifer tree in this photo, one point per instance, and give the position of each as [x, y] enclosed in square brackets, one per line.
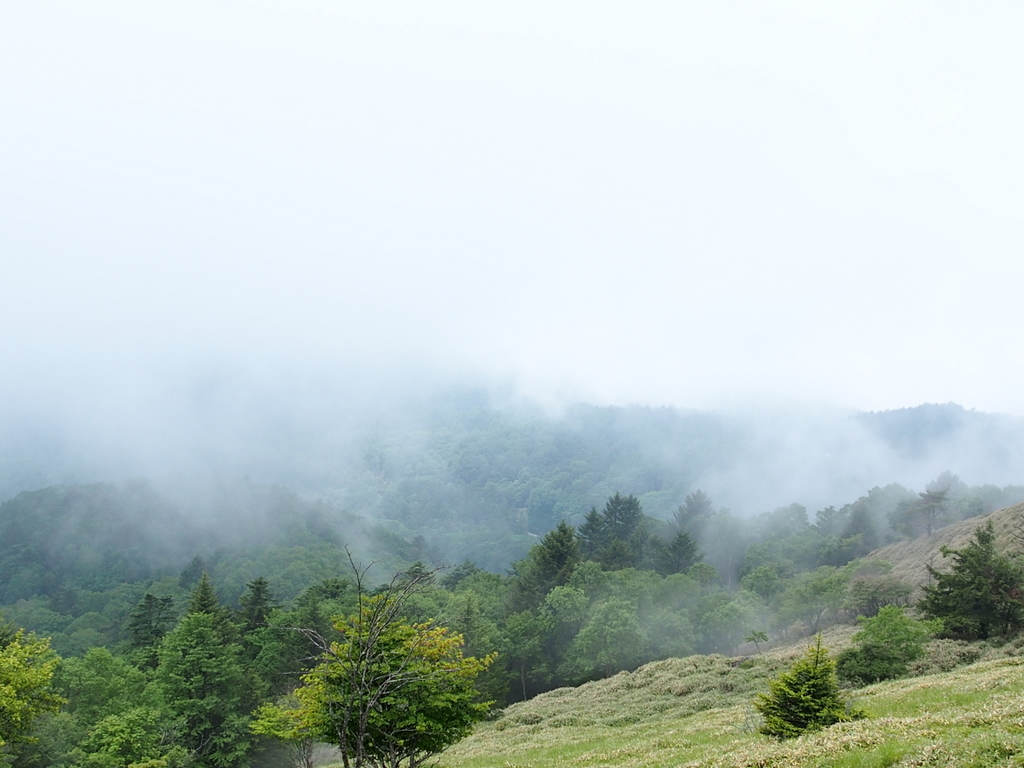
[203, 600]
[678, 555]
[616, 537]
[592, 534]
[207, 690]
[547, 565]
[147, 624]
[150, 621]
[257, 604]
[694, 513]
[981, 594]
[806, 698]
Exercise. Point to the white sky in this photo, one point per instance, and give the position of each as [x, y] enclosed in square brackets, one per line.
[695, 203]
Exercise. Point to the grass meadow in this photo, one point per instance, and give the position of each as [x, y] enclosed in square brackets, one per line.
[696, 713]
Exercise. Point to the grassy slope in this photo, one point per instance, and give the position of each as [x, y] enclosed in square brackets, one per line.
[696, 712]
[910, 558]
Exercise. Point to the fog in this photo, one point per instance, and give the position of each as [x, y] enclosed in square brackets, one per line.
[237, 235]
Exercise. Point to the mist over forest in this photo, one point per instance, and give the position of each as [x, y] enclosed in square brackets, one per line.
[561, 339]
[477, 472]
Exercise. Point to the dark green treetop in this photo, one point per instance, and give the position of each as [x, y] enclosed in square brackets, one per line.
[981, 595]
[257, 604]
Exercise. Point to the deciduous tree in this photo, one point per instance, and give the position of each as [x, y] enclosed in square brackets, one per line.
[26, 673]
[885, 646]
[392, 693]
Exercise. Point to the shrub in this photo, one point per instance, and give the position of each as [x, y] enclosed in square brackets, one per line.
[945, 655]
[884, 648]
[870, 663]
[806, 698]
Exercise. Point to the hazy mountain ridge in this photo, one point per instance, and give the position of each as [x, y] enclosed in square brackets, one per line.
[104, 534]
[478, 477]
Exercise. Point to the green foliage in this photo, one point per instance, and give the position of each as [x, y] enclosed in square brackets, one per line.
[207, 691]
[522, 652]
[677, 555]
[204, 601]
[131, 737]
[704, 574]
[981, 594]
[147, 625]
[27, 666]
[204, 597]
[757, 637]
[616, 537]
[99, 684]
[914, 517]
[285, 721]
[806, 698]
[694, 513]
[391, 692]
[867, 595]
[870, 663]
[892, 628]
[765, 581]
[549, 564]
[612, 639]
[723, 624]
[810, 596]
[885, 647]
[257, 604]
[690, 712]
[467, 613]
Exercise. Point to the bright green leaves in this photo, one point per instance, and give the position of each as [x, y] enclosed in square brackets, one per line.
[27, 666]
[882, 650]
[391, 692]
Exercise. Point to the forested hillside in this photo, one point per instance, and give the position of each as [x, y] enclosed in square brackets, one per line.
[545, 553]
[479, 478]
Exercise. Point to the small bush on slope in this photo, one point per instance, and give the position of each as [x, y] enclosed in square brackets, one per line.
[884, 648]
[806, 698]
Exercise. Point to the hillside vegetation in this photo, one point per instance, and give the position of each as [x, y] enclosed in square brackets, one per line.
[696, 713]
[910, 559]
[161, 592]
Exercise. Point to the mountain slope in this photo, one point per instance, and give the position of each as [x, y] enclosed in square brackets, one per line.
[696, 713]
[910, 559]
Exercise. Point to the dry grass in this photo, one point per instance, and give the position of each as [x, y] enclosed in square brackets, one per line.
[695, 713]
[911, 558]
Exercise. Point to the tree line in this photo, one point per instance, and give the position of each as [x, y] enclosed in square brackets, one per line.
[213, 685]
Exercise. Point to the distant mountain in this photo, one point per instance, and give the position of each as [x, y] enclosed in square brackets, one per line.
[100, 535]
[915, 433]
[481, 478]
